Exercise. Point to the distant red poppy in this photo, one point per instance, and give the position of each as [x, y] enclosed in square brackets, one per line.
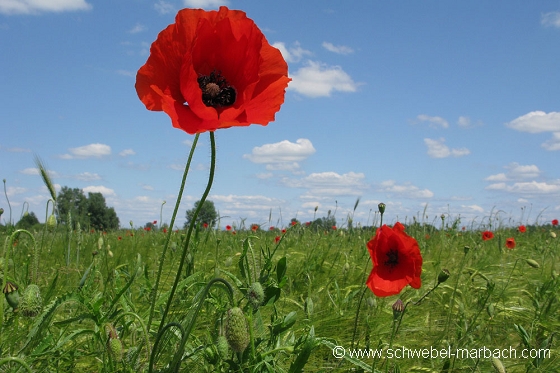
[522, 229]
[271, 228]
[277, 239]
[228, 227]
[294, 222]
[147, 229]
[487, 235]
[510, 243]
[283, 230]
[307, 224]
[164, 230]
[334, 227]
[397, 261]
[155, 222]
[211, 70]
[555, 222]
[119, 238]
[204, 225]
[254, 227]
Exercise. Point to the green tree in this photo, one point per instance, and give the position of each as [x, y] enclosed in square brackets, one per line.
[101, 217]
[75, 202]
[206, 215]
[27, 221]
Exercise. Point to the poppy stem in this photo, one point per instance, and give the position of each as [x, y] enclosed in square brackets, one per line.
[191, 227]
[153, 295]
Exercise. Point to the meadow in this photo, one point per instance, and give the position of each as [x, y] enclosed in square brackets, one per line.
[485, 305]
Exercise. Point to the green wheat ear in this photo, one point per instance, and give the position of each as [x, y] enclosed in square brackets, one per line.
[45, 176]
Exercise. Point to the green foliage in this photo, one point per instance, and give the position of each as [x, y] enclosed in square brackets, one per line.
[206, 215]
[90, 211]
[28, 221]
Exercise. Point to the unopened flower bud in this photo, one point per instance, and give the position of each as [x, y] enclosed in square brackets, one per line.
[11, 294]
[236, 329]
[222, 347]
[51, 222]
[255, 294]
[31, 301]
[398, 308]
[533, 263]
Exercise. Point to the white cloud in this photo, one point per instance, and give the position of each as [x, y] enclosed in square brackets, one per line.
[292, 54]
[12, 191]
[536, 121]
[437, 149]
[317, 79]
[406, 190]
[137, 28]
[330, 184]
[473, 208]
[244, 206]
[88, 176]
[35, 171]
[553, 143]
[205, 4]
[127, 152]
[551, 19]
[99, 189]
[516, 172]
[531, 187]
[339, 49]
[283, 155]
[128, 73]
[164, 7]
[91, 150]
[39, 6]
[434, 121]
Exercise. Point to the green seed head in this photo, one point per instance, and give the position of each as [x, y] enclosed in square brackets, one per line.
[533, 263]
[236, 329]
[309, 306]
[381, 208]
[222, 347]
[31, 301]
[255, 294]
[11, 294]
[498, 366]
[443, 276]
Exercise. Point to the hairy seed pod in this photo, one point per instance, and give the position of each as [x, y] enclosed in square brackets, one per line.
[498, 366]
[255, 294]
[31, 301]
[115, 349]
[11, 293]
[533, 263]
[236, 329]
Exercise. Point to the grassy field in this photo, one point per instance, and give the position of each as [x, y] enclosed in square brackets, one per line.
[497, 311]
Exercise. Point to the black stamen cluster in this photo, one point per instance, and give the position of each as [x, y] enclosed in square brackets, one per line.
[224, 97]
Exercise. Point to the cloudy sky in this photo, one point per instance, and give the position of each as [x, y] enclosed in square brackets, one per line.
[450, 105]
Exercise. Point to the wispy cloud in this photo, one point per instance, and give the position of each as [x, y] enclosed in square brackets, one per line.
[339, 49]
[406, 190]
[537, 122]
[317, 79]
[137, 28]
[99, 189]
[433, 121]
[164, 7]
[283, 155]
[515, 171]
[330, 184]
[437, 149]
[42, 6]
[551, 19]
[88, 151]
[205, 4]
[292, 54]
[88, 176]
[514, 180]
[127, 152]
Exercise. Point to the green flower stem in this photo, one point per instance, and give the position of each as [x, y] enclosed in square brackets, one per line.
[7, 200]
[153, 295]
[16, 360]
[190, 229]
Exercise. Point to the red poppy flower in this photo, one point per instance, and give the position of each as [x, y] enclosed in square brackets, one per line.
[283, 230]
[555, 222]
[397, 261]
[522, 229]
[277, 239]
[254, 227]
[510, 243]
[119, 238]
[334, 227]
[271, 228]
[228, 227]
[487, 235]
[164, 230]
[204, 225]
[211, 70]
[155, 222]
[294, 222]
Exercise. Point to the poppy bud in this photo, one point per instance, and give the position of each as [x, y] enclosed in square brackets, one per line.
[1, 211]
[25, 214]
[31, 301]
[309, 306]
[51, 223]
[443, 276]
[552, 234]
[100, 243]
[533, 263]
[498, 366]
[371, 302]
[466, 249]
[381, 208]
[222, 347]
[255, 294]
[236, 329]
[398, 308]
[115, 349]
[11, 294]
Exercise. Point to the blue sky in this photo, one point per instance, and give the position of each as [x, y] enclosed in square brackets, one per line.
[450, 105]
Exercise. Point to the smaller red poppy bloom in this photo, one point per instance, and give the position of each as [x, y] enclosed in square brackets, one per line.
[228, 227]
[254, 227]
[164, 230]
[294, 222]
[510, 243]
[397, 261]
[555, 222]
[204, 225]
[277, 239]
[487, 235]
[522, 229]
[308, 224]
[271, 228]
[283, 230]
[234, 232]
[119, 238]
[334, 227]
[155, 222]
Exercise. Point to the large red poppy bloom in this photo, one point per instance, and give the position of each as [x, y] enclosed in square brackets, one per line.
[487, 235]
[397, 261]
[555, 222]
[213, 69]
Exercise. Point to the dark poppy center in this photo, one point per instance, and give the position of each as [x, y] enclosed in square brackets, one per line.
[392, 258]
[216, 92]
